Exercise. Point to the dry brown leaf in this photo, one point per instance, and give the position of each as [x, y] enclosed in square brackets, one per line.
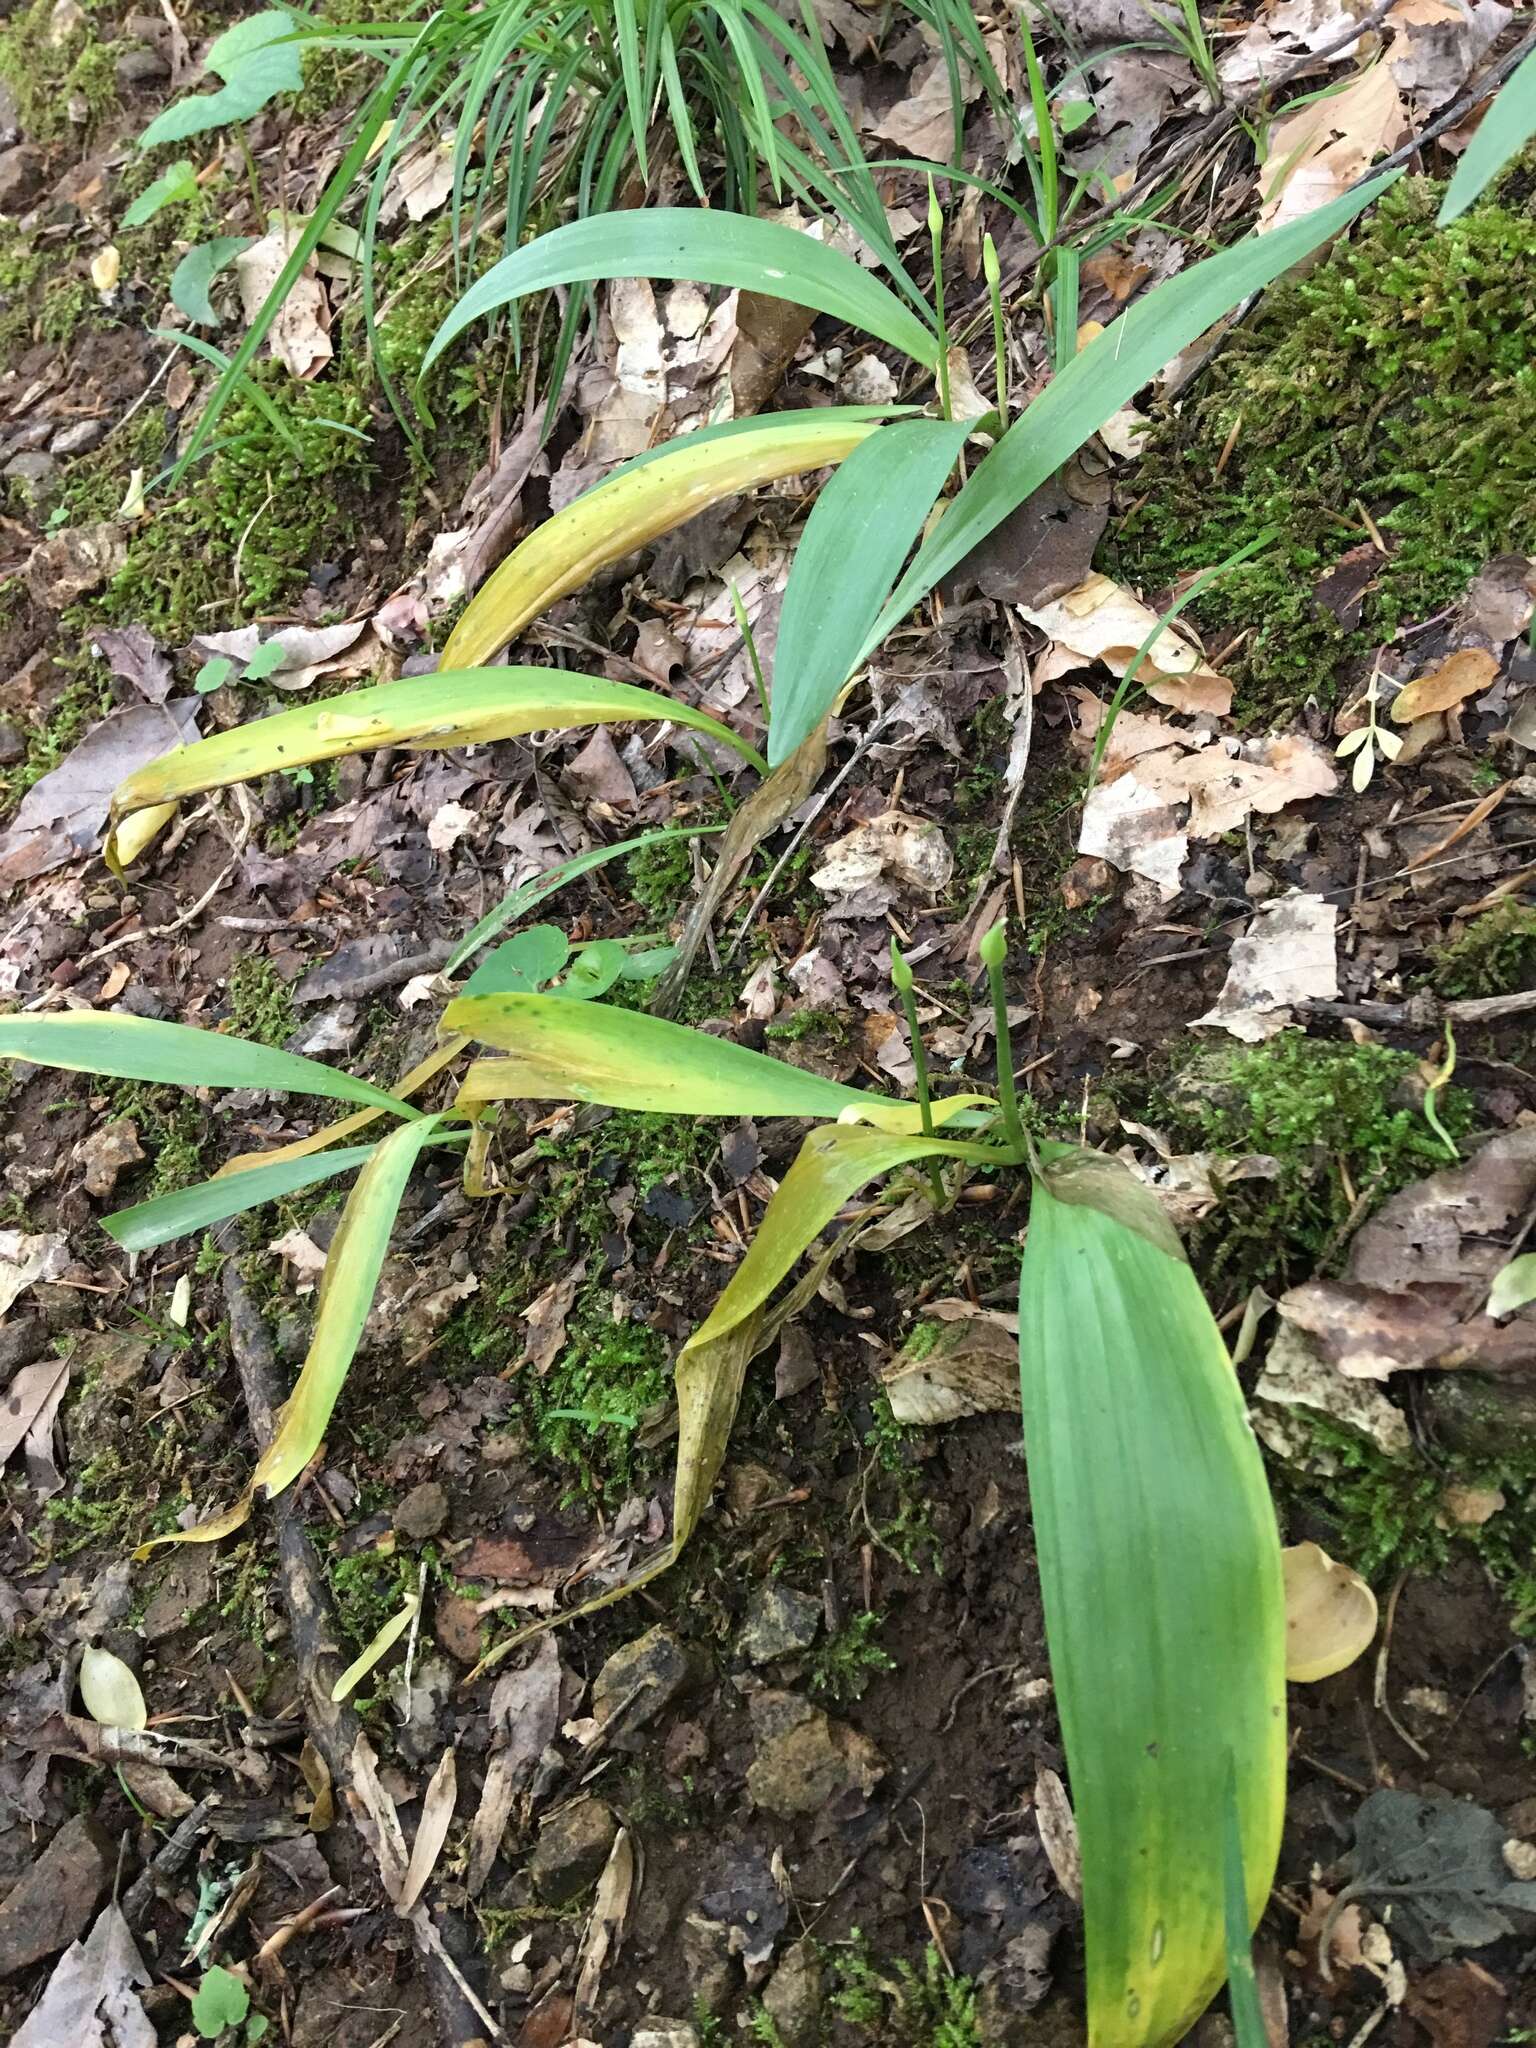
[1458, 677]
[34, 1391]
[1324, 148]
[605, 1930]
[1288, 953]
[1101, 621]
[300, 336]
[908, 851]
[524, 1714]
[1330, 1614]
[91, 1999]
[949, 1369]
[1296, 1375]
[431, 1833]
[1058, 1833]
[545, 1318]
[377, 1819]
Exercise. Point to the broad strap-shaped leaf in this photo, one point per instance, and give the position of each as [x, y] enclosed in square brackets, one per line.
[641, 501]
[143, 1049]
[352, 1270]
[707, 247]
[830, 1167]
[197, 1208]
[1502, 133]
[455, 708]
[1164, 1608]
[855, 541]
[1104, 376]
[577, 1052]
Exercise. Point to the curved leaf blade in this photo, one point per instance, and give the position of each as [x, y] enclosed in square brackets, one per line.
[463, 708]
[855, 541]
[147, 1224]
[1165, 1616]
[1100, 379]
[143, 1049]
[625, 1059]
[639, 503]
[1503, 131]
[707, 247]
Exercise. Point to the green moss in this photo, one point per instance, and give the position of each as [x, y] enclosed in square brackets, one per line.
[844, 1664]
[899, 2004]
[660, 876]
[46, 71]
[1396, 375]
[260, 1001]
[85, 700]
[585, 1413]
[172, 1127]
[367, 1589]
[1343, 1121]
[1494, 956]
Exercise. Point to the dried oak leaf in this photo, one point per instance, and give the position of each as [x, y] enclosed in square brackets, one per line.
[1440, 1864]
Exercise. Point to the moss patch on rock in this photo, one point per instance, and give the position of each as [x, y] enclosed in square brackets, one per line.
[1395, 380]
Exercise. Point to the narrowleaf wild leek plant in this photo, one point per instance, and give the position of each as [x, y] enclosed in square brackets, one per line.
[1158, 1550]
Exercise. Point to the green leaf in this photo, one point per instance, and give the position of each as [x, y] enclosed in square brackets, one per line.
[594, 971]
[1164, 1608]
[1100, 379]
[522, 964]
[197, 1208]
[1502, 133]
[466, 708]
[267, 659]
[256, 64]
[1242, 1983]
[173, 187]
[625, 1059]
[220, 2001]
[709, 247]
[213, 674]
[534, 892]
[142, 1049]
[854, 544]
[196, 271]
[1513, 1285]
[378, 1647]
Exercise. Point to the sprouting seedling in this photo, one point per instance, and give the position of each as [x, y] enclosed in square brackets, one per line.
[993, 271]
[936, 238]
[744, 627]
[994, 951]
[902, 982]
[1371, 741]
[1439, 1080]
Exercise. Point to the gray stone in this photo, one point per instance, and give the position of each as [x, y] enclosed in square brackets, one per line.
[712, 1969]
[779, 1622]
[53, 1902]
[1009, 1990]
[78, 438]
[23, 1340]
[13, 744]
[422, 1513]
[658, 2033]
[793, 1996]
[805, 1760]
[572, 1848]
[74, 562]
[657, 1664]
[31, 469]
[140, 67]
[21, 176]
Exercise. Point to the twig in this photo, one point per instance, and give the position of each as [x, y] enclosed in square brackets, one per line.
[333, 1726]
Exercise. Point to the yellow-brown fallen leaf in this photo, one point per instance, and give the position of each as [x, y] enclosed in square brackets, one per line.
[1330, 1614]
[1460, 676]
[1101, 621]
[1319, 152]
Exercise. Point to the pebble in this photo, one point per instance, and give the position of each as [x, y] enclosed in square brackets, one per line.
[657, 2033]
[805, 1760]
[793, 1997]
[423, 1512]
[572, 1848]
[657, 1663]
[21, 176]
[13, 745]
[140, 67]
[779, 1622]
[49, 1908]
[78, 438]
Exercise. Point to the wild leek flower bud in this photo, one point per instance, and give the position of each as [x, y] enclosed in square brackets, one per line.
[993, 947]
[901, 973]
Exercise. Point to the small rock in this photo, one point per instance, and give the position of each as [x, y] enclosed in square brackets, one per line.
[1085, 879]
[106, 1152]
[52, 1903]
[456, 1624]
[1259, 885]
[23, 1340]
[31, 469]
[13, 745]
[78, 438]
[806, 1761]
[780, 1622]
[793, 1997]
[140, 67]
[657, 2033]
[74, 562]
[67, 19]
[657, 1663]
[1008, 1991]
[572, 1848]
[422, 1513]
[21, 176]
[711, 1968]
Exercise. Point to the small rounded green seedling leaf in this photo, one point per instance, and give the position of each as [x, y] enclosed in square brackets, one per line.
[521, 965]
[220, 2001]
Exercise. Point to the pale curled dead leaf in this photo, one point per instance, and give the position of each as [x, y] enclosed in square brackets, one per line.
[110, 1690]
[1320, 151]
[35, 1391]
[909, 851]
[300, 336]
[1058, 1833]
[1289, 954]
[949, 1369]
[431, 1832]
[1100, 621]
[91, 1999]
[605, 1929]
[1330, 1614]
[1446, 686]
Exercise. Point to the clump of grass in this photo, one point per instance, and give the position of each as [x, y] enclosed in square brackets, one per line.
[1395, 377]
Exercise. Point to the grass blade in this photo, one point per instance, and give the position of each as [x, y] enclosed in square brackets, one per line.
[1503, 131]
[1160, 1569]
[641, 501]
[564, 1052]
[708, 247]
[1242, 1984]
[143, 1049]
[855, 541]
[378, 1647]
[147, 1224]
[455, 708]
[1100, 379]
[627, 28]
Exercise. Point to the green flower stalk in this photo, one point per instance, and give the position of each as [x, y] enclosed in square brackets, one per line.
[994, 950]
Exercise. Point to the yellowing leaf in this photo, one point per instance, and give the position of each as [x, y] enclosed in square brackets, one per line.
[1330, 1614]
[647, 498]
[454, 708]
[386, 1638]
[1443, 688]
[110, 1690]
